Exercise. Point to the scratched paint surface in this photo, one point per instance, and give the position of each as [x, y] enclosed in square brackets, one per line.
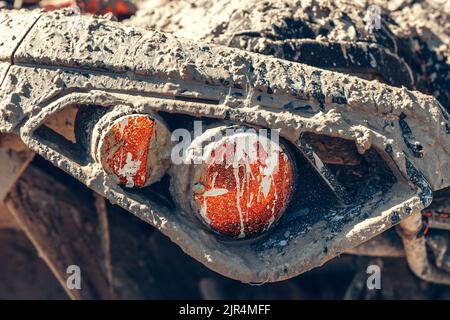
[248, 195]
[126, 148]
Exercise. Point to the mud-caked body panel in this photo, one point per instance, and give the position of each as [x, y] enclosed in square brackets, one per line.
[103, 63]
[402, 43]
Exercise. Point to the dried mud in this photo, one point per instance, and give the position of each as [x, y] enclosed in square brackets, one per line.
[47, 65]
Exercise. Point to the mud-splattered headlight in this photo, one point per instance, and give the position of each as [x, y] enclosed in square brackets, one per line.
[241, 183]
[133, 149]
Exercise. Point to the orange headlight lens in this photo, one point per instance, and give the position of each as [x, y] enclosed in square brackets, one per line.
[245, 186]
[134, 149]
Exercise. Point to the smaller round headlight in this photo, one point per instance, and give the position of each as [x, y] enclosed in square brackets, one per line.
[134, 149]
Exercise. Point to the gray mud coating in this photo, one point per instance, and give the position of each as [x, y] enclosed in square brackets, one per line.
[108, 64]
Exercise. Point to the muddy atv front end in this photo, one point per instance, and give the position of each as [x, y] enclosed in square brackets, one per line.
[364, 156]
